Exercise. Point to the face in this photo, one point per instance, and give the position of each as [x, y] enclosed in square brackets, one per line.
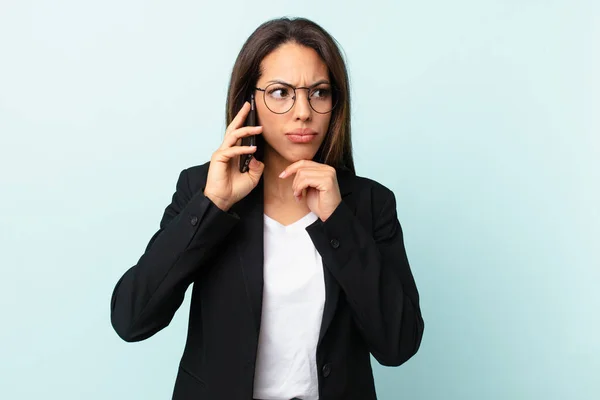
[298, 66]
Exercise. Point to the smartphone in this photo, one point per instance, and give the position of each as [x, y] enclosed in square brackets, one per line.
[248, 140]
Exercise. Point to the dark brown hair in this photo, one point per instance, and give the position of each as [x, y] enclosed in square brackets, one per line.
[336, 149]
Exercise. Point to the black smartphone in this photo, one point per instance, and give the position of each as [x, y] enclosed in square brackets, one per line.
[248, 140]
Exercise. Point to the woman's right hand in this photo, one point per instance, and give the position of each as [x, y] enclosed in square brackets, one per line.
[225, 184]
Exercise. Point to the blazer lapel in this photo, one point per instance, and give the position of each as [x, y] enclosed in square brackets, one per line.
[250, 247]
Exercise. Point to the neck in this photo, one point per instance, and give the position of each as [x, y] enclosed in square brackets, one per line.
[276, 189]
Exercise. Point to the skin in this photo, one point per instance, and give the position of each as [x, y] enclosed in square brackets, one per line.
[299, 66]
[294, 184]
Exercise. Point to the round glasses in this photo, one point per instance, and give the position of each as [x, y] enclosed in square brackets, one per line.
[281, 97]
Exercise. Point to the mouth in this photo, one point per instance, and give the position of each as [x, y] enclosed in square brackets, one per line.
[300, 138]
[303, 135]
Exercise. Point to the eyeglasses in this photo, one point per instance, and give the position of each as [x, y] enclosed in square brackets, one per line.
[281, 97]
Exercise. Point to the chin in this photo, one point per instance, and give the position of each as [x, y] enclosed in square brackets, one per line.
[293, 152]
[302, 154]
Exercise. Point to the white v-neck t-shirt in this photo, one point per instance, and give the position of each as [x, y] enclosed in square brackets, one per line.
[292, 310]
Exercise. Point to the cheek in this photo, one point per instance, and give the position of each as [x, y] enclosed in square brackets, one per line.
[269, 121]
[324, 123]
[271, 126]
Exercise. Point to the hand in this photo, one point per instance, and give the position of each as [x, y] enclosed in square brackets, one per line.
[225, 184]
[318, 182]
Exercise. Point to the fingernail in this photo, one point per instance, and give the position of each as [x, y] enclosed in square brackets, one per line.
[281, 175]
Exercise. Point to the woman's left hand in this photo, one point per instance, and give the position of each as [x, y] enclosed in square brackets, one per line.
[318, 182]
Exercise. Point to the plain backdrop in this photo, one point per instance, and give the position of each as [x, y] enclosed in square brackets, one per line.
[482, 116]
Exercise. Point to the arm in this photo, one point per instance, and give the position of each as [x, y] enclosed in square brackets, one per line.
[374, 273]
[146, 297]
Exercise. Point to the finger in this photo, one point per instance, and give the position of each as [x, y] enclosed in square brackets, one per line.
[301, 194]
[302, 164]
[232, 138]
[299, 177]
[239, 119]
[306, 173]
[227, 154]
[318, 179]
[302, 186]
[304, 180]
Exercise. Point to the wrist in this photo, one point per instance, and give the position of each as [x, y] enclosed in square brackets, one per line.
[223, 205]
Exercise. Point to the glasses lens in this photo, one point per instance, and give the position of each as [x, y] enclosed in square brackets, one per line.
[321, 99]
[279, 98]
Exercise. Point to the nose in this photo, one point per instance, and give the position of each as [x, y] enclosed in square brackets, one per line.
[302, 108]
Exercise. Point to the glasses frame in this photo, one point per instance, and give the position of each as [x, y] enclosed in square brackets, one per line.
[294, 88]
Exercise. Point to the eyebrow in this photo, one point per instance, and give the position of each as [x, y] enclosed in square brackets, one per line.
[287, 83]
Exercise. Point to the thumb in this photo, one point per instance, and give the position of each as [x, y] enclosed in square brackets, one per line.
[256, 168]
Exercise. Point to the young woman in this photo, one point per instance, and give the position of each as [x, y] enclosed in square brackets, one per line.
[298, 265]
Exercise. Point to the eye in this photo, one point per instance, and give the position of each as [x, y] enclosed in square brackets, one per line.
[279, 92]
[322, 93]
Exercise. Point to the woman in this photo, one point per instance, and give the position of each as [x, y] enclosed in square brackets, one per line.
[298, 265]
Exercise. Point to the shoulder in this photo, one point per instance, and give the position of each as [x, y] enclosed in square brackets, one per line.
[194, 177]
[363, 184]
[198, 171]
[367, 192]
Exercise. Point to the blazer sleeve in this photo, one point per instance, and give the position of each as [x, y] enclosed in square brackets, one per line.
[147, 296]
[373, 271]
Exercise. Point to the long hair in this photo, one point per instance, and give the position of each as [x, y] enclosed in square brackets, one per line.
[336, 149]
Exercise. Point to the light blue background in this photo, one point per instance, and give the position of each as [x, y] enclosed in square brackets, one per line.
[482, 116]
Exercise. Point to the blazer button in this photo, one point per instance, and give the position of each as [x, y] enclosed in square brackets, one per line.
[326, 370]
[194, 220]
[334, 243]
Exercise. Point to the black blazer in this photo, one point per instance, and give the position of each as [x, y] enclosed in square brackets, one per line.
[371, 306]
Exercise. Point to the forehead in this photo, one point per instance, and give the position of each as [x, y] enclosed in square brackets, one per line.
[294, 64]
